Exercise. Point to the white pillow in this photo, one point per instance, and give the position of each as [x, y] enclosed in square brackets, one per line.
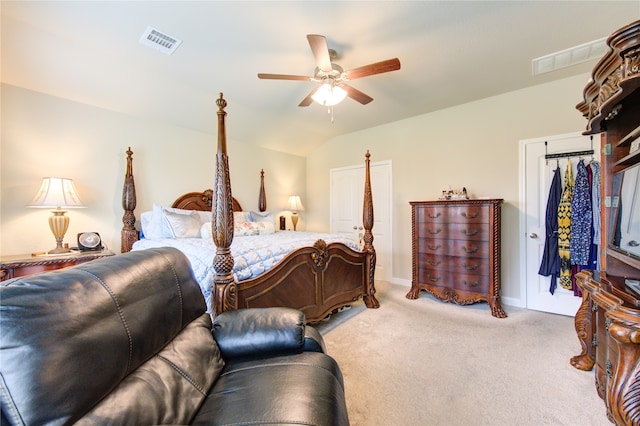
[150, 228]
[263, 217]
[183, 225]
[206, 232]
[158, 226]
[245, 229]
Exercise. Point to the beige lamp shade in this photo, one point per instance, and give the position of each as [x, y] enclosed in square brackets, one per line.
[57, 193]
[295, 205]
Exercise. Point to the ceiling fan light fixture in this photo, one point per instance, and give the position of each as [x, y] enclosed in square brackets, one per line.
[329, 95]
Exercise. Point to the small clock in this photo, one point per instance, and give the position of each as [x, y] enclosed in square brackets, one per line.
[88, 241]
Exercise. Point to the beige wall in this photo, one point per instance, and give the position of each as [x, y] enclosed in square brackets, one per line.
[473, 145]
[47, 136]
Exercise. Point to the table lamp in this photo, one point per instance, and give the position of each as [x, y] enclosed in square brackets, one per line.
[58, 193]
[295, 205]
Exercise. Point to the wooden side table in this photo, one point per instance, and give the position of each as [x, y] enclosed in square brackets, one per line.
[14, 266]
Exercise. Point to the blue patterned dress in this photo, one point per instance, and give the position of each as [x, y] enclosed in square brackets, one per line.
[581, 218]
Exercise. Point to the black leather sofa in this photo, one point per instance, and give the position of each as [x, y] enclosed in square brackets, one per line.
[126, 340]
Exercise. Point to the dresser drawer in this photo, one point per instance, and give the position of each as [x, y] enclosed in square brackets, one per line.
[468, 265]
[457, 231]
[452, 214]
[462, 282]
[459, 248]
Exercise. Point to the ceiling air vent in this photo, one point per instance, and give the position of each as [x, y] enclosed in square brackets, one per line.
[568, 57]
[158, 40]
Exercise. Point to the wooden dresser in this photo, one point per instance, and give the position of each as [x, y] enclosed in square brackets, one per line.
[14, 266]
[608, 320]
[456, 251]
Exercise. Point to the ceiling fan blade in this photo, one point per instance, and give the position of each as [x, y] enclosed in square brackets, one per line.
[372, 69]
[283, 77]
[320, 51]
[308, 100]
[357, 95]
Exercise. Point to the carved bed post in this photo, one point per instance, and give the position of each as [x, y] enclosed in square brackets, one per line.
[262, 199]
[129, 234]
[367, 220]
[223, 292]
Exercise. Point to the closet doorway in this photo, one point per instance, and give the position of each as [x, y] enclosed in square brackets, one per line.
[536, 176]
[347, 195]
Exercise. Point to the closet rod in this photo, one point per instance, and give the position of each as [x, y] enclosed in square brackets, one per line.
[569, 154]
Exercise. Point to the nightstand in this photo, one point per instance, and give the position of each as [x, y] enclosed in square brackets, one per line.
[14, 266]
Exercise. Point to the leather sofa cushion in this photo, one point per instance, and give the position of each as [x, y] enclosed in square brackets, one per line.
[167, 389]
[69, 337]
[300, 389]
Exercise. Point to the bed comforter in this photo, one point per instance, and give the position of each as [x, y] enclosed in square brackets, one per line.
[253, 255]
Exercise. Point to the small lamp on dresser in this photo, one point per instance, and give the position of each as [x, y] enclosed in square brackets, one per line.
[295, 205]
[57, 193]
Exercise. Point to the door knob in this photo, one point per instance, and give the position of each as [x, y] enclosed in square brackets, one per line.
[533, 235]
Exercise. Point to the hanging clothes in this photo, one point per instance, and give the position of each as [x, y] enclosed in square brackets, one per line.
[564, 228]
[594, 261]
[581, 217]
[550, 265]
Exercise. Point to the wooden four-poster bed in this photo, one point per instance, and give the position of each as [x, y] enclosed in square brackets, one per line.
[318, 278]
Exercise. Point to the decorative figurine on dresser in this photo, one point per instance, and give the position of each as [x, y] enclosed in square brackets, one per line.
[608, 320]
[456, 251]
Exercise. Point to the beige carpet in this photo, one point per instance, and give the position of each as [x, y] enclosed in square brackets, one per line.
[425, 362]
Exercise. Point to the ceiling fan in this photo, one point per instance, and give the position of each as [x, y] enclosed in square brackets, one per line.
[334, 88]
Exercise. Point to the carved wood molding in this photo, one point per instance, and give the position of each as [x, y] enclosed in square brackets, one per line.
[615, 76]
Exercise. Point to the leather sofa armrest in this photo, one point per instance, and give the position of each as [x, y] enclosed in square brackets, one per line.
[313, 341]
[259, 331]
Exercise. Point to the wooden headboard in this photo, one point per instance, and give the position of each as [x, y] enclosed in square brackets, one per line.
[201, 201]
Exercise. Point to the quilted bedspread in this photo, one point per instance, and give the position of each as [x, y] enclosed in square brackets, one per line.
[253, 255]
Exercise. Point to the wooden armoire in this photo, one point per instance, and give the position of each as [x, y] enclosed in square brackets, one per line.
[608, 320]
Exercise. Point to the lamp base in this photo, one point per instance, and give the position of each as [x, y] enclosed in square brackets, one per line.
[294, 219]
[59, 223]
[59, 250]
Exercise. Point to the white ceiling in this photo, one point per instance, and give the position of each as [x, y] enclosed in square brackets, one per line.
[451, 52]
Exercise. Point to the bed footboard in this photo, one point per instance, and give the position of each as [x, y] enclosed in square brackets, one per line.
[317, 280]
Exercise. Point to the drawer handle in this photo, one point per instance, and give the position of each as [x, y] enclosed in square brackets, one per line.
[634, 243]
[470, 233]
[470, 268]
[436, 279]
[437, 215]
[470, 284]
[432, 232]
[434, 247]
[470, 216]
[470, 250]
[433, 263]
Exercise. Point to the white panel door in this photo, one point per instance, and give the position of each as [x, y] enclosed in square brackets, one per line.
[537, 177]
[347, 197]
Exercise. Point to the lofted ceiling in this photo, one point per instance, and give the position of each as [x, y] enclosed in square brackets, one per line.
[451, 52]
